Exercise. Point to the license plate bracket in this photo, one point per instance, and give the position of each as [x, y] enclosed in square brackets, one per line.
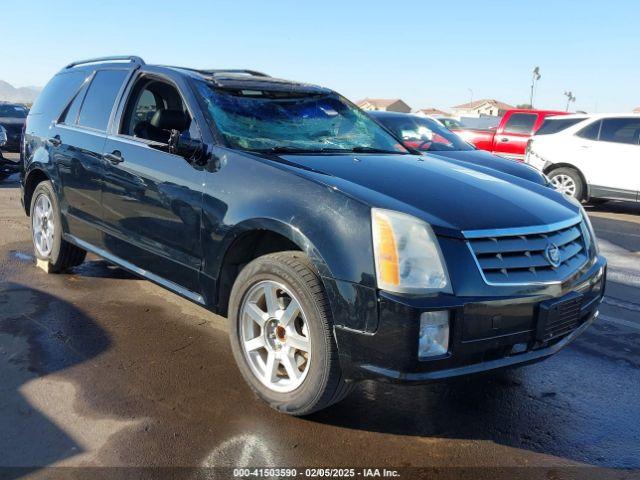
[558, 316]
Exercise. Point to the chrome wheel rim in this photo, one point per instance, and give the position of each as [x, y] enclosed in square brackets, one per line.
[42, 225]
[275, 337]
[564, 184]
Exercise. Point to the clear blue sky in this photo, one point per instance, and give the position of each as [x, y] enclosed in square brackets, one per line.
[428, 53]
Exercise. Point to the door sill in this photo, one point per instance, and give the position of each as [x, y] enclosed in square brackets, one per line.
[152, 277]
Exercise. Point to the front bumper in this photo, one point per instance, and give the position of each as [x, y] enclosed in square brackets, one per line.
[486, 333]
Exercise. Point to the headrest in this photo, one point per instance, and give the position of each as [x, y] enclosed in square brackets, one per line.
[170, 120]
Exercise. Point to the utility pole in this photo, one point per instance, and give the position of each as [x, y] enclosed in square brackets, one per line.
[570, 98]
[471, 95]
[534, 78]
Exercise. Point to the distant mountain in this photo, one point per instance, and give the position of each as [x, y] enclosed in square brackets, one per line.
[9, 93]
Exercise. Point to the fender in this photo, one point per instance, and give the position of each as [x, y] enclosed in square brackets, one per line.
[281, 228]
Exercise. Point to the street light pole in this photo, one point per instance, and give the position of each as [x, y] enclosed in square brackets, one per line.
[534, 78]
[570, 98]
[471, 95]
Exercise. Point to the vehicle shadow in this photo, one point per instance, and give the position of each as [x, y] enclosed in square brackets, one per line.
[40, 335]
[102, 269]
[11, 181]
[526, 409]
[614, 206]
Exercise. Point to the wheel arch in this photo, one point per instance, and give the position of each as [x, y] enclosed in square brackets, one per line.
[252, 239]
[555, 166]
[31, 181]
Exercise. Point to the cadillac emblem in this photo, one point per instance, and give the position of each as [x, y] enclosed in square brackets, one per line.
[552, 254]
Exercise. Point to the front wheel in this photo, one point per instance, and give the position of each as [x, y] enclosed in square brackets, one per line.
[46, 231]
[280, 331]
[567, 181]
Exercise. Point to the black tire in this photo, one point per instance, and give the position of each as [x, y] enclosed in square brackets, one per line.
[575, 176]
[63, 255]
[324, 384]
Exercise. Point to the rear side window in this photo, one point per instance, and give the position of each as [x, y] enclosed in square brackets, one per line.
[520, 123]
[590, 132]
[57, 93]
[620, 130]
[70, 115]
[100, 98]
[552, 125]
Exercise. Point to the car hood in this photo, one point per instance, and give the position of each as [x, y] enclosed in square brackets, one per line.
[450, 197]
[487, 160]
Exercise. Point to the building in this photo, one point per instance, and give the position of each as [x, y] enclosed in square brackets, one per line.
[386, 104]
[480, 108]
[636, 110]
[432, 112]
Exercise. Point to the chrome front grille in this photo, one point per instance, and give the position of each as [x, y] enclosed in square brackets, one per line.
[532, 255]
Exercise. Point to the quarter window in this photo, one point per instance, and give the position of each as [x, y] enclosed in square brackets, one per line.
[100, 98]
[70, 115]
[550, 126]
[620, 130]
[521, 123]
[590, 132]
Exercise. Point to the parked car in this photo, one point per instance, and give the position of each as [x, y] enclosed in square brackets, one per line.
[595, 158]
[335, 253]
[429, 137]
[509, 139]
[12, 118]
[7, 167]
[448, 122]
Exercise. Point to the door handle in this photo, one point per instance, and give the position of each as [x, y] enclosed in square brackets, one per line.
[114, 157]
[55, 141]
[504, 139]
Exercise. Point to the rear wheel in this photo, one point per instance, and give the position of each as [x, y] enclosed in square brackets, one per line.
[567, 181]
[46, 231]
[280, 330]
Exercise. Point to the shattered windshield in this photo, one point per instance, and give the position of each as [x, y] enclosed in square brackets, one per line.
[291, 122]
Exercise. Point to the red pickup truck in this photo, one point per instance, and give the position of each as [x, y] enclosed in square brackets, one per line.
[509, 139]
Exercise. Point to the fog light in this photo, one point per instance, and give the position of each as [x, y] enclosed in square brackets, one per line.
[434, 334]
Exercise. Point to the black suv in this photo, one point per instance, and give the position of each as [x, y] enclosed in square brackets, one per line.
[336, 254]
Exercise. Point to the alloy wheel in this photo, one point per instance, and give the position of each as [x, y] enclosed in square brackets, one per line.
[275, 336]
[43, 226]
[564, 184]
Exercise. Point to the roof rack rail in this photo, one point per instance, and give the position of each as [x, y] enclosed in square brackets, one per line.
[114, 58]
[253, 73]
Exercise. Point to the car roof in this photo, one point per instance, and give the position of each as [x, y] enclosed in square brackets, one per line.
[248, 79]
[233, 79]
[593, 116]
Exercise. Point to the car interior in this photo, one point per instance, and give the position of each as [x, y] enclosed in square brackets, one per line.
[155, 108]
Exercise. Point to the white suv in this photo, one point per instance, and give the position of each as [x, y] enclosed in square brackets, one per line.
[590, 157]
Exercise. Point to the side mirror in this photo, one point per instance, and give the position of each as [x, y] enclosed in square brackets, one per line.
[185, 147]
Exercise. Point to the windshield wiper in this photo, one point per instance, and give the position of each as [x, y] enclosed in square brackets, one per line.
[284, 149]
[374, 150]
[359, 149]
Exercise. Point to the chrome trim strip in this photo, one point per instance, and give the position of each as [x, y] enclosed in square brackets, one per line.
[193, 296]
[514, 232]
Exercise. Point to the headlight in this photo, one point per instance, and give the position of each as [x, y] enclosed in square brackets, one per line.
[589, 234]
[407, 254]
[3, 136]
